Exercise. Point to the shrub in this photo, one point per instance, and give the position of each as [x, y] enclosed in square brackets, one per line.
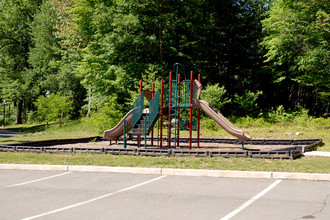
[301, 117]
[248, 102]
[249, 122]
[32, 116]
[321, 123]
[54, 107]
[210, 124]
[215, 95]
[104, 118]
[297, 117]
[278, 115]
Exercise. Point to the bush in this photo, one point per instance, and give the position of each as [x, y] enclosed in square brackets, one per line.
[248, 102]
[54, 107]
[278, 115]
[301, 117]
[321, 123]
[249, 122]
[298, 117]
[209, 124]
[215, 96]
[105, 118]
[32, 116]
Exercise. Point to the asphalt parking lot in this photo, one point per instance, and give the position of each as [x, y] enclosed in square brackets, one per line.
[86, 195]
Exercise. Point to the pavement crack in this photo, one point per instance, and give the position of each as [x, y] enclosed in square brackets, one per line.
[312, 216]
[324, 203]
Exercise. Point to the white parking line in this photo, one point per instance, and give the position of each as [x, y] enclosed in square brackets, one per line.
[37, 180]
[252, 200]
[93, 200]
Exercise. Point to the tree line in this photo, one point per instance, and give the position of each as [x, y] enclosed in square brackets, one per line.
[254, 55]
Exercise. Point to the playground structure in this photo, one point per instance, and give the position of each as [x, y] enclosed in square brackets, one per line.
[168, 103]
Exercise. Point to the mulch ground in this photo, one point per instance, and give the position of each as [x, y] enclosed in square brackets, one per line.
[182, 146]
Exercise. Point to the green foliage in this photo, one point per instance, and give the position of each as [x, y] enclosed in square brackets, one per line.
[105, 117]
[32, 117]
[279, 115]
[209, 124]
[301, 117]
[54, 107]
[298, 117]
[297, 43]
[215, 95]
[247, 122]
[89, 50]
[151, 75]
[18, 82]
[248, 102]
[54, 53]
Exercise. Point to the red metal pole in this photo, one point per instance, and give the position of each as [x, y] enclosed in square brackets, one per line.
[178, 122]
[169, 111]
[139, 137]
[191, 109]
[152, 131]
[161, 112]
[198, 117]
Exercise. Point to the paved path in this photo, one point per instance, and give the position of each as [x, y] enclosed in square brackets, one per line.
[317, 153]
[27, 194]
[4, 133]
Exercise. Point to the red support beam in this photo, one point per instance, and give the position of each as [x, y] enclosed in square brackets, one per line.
[139, 137]
[178, 122]
[169, 111]
[198, 117]
[161, 112]
[191, 109]
[152, 131]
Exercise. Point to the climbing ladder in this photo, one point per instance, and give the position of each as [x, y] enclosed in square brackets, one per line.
[176, 97]
[173, 100]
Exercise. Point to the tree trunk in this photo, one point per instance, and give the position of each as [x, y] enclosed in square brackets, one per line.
[160, 30]
[25, 116]
[89, 101]
[19, 113]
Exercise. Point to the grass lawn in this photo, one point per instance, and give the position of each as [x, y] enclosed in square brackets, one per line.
[39, 132]
[310, 164]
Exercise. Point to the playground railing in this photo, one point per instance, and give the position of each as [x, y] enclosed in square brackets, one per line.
[153, 109]
[184, 94]
[138, 107]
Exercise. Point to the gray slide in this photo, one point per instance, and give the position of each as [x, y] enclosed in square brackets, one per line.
[221, 120]
[117, 131]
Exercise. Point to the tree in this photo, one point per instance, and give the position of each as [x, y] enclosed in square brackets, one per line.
[53, 107]
[55, 51]
[297, 44]
[15, 42]
[116, 52]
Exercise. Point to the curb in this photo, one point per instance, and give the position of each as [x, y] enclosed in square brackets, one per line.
[317, 153]
[33, 167]
[132, 170]
[216, 173]
[302, 176]
[173, 172]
